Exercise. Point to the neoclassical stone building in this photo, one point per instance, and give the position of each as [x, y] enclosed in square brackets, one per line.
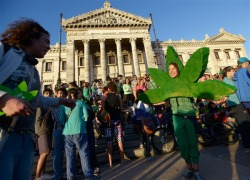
[108, 41]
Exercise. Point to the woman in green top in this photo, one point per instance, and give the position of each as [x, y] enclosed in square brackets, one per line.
[128, 93]
[183, 117]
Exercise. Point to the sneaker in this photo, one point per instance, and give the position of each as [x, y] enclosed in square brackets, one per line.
[47, 177]
[141, 146]
[197, 176]
[96, 177]
[189, 174]
[97, 170]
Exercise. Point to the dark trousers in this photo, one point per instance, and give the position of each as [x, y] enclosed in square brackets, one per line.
[241, 114]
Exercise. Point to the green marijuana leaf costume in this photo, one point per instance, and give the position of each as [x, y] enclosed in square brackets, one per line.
[186, 85]
[21, 92]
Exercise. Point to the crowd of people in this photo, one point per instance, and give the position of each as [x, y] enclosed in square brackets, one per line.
[64, 120]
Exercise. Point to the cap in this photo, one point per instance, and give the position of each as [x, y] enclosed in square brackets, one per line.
[242, 60]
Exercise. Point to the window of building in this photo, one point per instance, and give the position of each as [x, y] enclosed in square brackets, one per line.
[237, 52]
[140, 58]
[227, 54]
[216, 54]
[126, 59]
[111, 60]
[64, 65]
[97, 60]
[81, 61]
[180, 57]
[48, 66]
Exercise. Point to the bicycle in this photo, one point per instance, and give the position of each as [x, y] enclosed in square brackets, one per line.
[163, 139]
[209, 131]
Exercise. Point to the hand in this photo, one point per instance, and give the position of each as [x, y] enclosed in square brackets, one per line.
[13, 106]
[67, 102]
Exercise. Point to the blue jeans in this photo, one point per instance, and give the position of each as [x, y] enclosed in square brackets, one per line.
[58, 144]
[16, 158]
[79, 141]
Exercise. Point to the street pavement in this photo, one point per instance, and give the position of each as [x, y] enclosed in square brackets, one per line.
[217, 162]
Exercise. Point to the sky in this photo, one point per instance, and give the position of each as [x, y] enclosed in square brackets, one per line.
[172, 19]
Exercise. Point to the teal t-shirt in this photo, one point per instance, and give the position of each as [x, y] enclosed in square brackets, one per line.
[233, 98]
[76, 122]
[86, 92]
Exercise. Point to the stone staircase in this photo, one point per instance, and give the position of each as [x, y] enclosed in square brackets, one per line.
[131, 145]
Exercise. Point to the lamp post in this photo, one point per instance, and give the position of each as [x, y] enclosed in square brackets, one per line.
[60, 45]
[156, 43]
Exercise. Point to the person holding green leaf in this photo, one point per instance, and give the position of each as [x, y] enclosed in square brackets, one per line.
[179, 86]
[20, 44]
[183, 116]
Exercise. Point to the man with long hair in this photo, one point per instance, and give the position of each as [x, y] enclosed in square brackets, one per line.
[20, 44]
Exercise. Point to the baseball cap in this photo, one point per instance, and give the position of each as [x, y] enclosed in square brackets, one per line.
[242, 60]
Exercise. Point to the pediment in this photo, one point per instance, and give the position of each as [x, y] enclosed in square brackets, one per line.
[106, 17]
[225, 37]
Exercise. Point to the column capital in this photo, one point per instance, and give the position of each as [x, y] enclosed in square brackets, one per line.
[70, 41]
[101, 40]
[118, 40]
[85, 41]
[132, 39]
[146, 39]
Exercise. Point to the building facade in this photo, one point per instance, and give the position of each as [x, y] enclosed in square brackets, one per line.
[109, 42]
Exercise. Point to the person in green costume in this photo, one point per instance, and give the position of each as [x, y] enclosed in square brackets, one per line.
[183, 117]
[179, 86]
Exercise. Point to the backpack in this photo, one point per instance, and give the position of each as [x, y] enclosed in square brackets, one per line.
[44, 123]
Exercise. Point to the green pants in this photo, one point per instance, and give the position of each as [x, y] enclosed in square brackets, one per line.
[186, 139]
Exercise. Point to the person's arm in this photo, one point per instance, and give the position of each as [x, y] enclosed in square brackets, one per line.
[134, 91]
[47, 102]
[121, 105]
[85, 112]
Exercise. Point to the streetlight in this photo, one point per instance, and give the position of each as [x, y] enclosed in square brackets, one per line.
[156, 43]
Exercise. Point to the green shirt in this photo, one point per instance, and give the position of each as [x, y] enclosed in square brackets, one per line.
[182, 106]
[76, 123]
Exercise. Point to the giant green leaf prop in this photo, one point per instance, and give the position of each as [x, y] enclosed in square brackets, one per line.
[186, 85]
[21, 91]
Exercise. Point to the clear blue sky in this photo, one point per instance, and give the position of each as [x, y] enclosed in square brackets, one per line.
[175, 19]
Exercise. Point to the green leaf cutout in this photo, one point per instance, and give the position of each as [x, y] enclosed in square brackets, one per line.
[186, 84]
[21, 91]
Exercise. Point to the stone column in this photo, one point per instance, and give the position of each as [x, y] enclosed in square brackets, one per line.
[119, 57]
[70, 61]
[149, 53]
[77, 67]
[41, 70]
[135, 57]
[233, 54]
[103, 59]
[223, 57]
[86, 60]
